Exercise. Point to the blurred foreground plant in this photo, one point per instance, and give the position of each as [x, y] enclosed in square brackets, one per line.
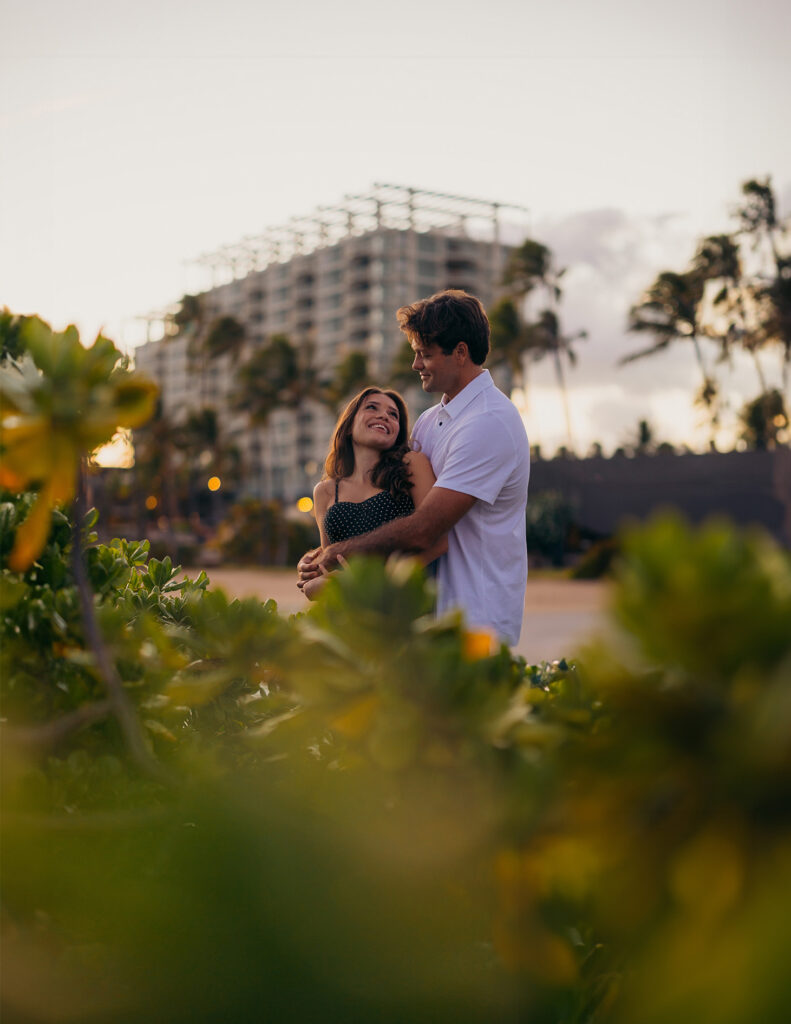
[60, 401]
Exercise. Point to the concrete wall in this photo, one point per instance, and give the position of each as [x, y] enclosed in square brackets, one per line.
[747, 487]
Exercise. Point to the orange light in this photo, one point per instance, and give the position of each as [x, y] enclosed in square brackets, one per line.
[151, 503]
[214, 483]
[305, 504]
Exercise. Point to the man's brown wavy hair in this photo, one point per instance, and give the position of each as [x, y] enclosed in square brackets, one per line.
[445, 319]
[391, 472]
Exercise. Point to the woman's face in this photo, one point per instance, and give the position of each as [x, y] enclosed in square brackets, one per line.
[376, 422]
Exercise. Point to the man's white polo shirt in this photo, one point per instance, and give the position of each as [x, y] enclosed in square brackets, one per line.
[477, 445]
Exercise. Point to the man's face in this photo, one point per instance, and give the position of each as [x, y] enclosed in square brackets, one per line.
[437, 370]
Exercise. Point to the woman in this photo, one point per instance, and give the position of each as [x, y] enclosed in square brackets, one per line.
[371, 474]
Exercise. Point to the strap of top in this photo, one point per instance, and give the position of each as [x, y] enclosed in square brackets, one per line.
[336, 490]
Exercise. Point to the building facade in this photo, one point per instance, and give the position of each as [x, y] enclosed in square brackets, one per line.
[331, 283]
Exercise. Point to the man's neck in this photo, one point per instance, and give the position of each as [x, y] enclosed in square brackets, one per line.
[467, 379]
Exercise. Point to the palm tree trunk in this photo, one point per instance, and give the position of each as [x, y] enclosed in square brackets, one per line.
[759, 370]
[565, 398]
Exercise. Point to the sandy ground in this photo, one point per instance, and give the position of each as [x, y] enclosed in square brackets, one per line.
[559, 614]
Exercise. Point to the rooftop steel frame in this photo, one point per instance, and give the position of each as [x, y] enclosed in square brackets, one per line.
[385, 206]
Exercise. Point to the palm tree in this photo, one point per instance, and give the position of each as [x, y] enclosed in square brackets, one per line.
[763, 420]
[547, 339]
[278, 376]
[718, 259]
[669, 311]
[512, 341]
[401, 375]
[156, 460]
[774, 302]
[226, 336]
[190, 321]
[530, 265]
[208, 453]
[759, 220]
[350, 376]
[758, 212]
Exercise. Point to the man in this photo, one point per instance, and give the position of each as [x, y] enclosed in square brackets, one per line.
[478, 448]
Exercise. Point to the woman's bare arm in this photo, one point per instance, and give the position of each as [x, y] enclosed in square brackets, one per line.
[322, 493]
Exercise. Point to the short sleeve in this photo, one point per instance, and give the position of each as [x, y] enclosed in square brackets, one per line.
[480, 459]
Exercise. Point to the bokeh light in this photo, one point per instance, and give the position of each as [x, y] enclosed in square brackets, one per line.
[305, 504]
[214, 483]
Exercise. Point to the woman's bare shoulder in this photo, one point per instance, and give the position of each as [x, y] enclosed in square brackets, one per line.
[323, 492]
[416, 460]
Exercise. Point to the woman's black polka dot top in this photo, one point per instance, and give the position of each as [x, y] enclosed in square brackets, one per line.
[347, 519]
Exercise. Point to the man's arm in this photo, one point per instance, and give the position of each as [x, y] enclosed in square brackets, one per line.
[436, 514]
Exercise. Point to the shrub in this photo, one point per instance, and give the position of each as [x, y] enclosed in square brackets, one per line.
[597, 561]
[549, 518]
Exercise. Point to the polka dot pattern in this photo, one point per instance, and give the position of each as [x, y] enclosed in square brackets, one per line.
[347, 519]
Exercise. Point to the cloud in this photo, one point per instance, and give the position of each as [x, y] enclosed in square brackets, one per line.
[611, 257]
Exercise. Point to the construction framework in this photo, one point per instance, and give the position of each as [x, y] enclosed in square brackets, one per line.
[397, 207]
[384, 207]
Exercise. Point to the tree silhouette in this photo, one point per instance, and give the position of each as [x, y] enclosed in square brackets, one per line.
[531, 265]
[226, 336]
[511, 341]
[760, 223]
[516, 340]
[718, 260]
[277, 376]
[401, 375]
[350, 376]
[157, 460]
[764, 420]
[668, 311]
[549, 340]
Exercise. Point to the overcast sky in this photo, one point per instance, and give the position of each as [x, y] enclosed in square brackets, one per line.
[136, 136]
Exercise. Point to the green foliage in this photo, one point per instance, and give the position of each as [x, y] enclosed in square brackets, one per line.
[11, 344]
[259, 533]
[549, 518]
[59, 402]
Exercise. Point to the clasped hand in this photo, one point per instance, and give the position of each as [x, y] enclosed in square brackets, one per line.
[319, 562]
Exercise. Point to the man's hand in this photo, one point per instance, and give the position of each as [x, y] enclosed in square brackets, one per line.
[332, 556]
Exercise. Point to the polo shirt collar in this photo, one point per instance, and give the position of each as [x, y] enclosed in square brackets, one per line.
[466, 395]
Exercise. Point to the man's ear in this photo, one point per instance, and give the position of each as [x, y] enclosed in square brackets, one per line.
[461, 352]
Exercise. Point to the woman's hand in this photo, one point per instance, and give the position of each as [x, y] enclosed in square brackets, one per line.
[311, 587]
[307, 568]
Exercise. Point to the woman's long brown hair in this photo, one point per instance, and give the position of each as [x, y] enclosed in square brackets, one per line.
[391, 472]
